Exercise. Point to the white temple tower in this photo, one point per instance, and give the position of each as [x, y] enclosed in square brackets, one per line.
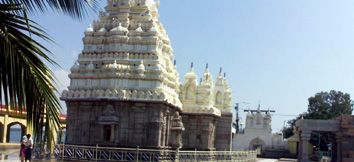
[124, 87]
[207, 113]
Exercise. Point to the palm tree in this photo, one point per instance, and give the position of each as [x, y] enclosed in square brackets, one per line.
[26, 83]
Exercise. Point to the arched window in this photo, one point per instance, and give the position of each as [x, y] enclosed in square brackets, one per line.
[189, 92]
[256, 143]
[218, 98]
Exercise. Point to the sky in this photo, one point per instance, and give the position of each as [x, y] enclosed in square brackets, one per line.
[276, 53]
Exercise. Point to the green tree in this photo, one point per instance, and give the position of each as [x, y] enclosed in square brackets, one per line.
[26, 83]
[288, 131]
[324, 105]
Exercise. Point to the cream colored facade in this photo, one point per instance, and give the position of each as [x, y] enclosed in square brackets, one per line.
[206, 97]
[207, 115]
[127, 56]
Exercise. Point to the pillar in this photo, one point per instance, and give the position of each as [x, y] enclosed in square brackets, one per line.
[339, 147]
[4, 137]
[168, 123]
[304, 142]
[163, 131]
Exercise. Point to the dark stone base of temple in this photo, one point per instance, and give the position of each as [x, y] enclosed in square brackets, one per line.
[223, 134]
[207, 132]
[121, 124]
[145, 124]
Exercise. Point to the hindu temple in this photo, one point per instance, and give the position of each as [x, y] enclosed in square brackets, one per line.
[125, 92]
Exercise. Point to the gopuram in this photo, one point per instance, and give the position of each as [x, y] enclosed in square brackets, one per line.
[125, 90]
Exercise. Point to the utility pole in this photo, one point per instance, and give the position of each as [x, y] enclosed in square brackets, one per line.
[237, 119]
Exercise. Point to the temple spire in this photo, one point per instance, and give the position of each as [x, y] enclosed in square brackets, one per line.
[191, 67]
[220, 72]
[206, 71]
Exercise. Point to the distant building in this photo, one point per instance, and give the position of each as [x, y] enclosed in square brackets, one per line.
[257, 133]
[340, 134]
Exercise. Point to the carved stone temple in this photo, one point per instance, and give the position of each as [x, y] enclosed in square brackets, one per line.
[207, 113]
[125, 90]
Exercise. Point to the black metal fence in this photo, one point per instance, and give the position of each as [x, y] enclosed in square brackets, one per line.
[96, 153]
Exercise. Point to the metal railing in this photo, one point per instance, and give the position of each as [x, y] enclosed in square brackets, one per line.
[192, 156]
[320, 154]
[96, 153]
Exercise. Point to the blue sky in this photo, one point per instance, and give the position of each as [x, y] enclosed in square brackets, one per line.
[275, 52]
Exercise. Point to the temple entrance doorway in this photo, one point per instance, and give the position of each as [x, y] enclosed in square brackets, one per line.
[257, 144]
[324, 144]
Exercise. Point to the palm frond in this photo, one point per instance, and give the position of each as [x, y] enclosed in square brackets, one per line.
[74, 8]
[25, 80]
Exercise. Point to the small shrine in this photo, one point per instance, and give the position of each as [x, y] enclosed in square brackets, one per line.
[257, 133]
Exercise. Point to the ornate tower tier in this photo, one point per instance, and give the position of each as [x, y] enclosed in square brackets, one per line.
[127, 56]
[124, 86]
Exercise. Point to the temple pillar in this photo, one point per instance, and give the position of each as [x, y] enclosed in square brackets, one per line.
[168, 123]
[163, 132]
[176, 131]
[339, 147]
[304, 142]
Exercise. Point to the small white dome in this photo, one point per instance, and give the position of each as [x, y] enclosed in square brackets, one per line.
[153, 29]
[120, 28]
[139, 29]
[141, 67]
[111, 67]
[190, 75]
[220, 80]
[102, 30]
[75, 67]
[114, 65]
[90, 66]
[89, 29]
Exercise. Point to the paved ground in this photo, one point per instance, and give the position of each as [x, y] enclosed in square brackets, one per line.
[266, 160]
[9, 155]
[276, 160]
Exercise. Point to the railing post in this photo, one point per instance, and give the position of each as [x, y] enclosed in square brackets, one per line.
[63, 152]
[96, 155]
[137, 154]
[195, 155]
[177, 155]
